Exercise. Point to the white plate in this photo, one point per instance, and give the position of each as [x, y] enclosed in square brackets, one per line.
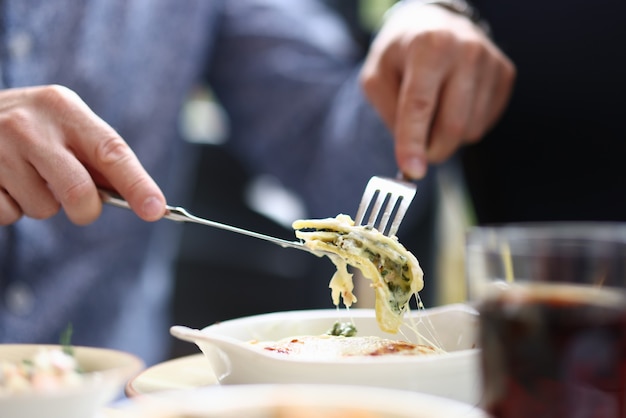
[182, 373]
[106, 372]
[311, 401]
[454, 374]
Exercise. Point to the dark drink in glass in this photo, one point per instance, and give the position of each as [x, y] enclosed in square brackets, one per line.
[554, 350]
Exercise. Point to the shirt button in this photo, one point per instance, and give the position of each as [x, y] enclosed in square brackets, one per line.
[20, 45]
[19, 299]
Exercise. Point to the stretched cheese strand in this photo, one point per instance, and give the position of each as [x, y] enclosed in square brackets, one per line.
[395, 273]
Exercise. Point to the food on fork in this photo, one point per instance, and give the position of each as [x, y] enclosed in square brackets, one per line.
[395, 273]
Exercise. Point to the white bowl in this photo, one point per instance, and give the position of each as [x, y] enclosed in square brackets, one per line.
[454, 374]
[296, 400]
[105, 373]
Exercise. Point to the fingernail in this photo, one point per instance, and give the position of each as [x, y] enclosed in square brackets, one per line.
[415, 168]
[152, 208]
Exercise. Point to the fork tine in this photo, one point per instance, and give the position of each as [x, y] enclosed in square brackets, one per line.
[378, 204]
[402, 208]
[395, 195]
[366, 201]
[389, 209]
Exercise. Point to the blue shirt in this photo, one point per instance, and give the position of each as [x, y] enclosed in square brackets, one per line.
[286, 73]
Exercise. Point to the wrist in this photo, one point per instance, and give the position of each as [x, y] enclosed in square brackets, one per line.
[460, 7]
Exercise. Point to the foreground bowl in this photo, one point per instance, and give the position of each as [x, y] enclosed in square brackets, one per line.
[104, 374]
[454, 374]
[305, 400]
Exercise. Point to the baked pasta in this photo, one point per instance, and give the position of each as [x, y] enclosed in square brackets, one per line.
[395, 273]
[330, 347]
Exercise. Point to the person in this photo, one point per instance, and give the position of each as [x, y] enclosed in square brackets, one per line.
[91, 93]
[557, 154]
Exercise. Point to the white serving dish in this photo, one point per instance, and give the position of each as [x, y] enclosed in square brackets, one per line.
[454, 374]
[105, 374]
[296, 400]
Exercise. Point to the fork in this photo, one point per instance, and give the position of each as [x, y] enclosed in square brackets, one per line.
[398, 191]
[179, 214]
[395, 194]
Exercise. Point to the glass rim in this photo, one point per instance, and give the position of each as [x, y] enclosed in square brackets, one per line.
[608, 231]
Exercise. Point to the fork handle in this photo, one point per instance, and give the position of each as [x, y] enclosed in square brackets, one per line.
[113, 199]
[179, 214]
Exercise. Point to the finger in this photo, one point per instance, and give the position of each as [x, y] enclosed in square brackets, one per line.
[381, 85]
[50, 175]
[453, 114]
[495, 85]
[27, 190]
[67, 181]
[98, 147]
[10, 211]
[112, 158]
[35, 200]
[479, 117]
[501, 95]
[421, 84]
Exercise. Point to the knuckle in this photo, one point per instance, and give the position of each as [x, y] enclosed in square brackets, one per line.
[420, 107]
[139, 184]
[61, 99]
[435, 40]
[55, 94]
[111, 150]
[75, 194]
[18, 124]
[376, 70]
[474, 53]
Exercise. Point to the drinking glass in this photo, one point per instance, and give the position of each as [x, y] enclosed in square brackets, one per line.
[552, 305]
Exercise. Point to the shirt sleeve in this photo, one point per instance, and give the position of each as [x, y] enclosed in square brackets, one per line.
[287, 74]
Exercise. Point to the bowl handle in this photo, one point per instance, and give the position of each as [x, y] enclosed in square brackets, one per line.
[220, 362]
[185, 333]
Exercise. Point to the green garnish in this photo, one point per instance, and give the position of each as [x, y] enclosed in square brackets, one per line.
[65, 340]
[342, 329]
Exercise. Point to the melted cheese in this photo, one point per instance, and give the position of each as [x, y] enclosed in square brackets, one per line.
[395, 273]
[329, 347]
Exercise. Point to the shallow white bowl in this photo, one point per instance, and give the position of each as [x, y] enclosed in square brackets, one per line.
[454, 374]
[296, 400]
[106, 372]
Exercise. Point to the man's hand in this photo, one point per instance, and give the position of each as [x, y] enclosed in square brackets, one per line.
[53, 152]
[438, 82]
